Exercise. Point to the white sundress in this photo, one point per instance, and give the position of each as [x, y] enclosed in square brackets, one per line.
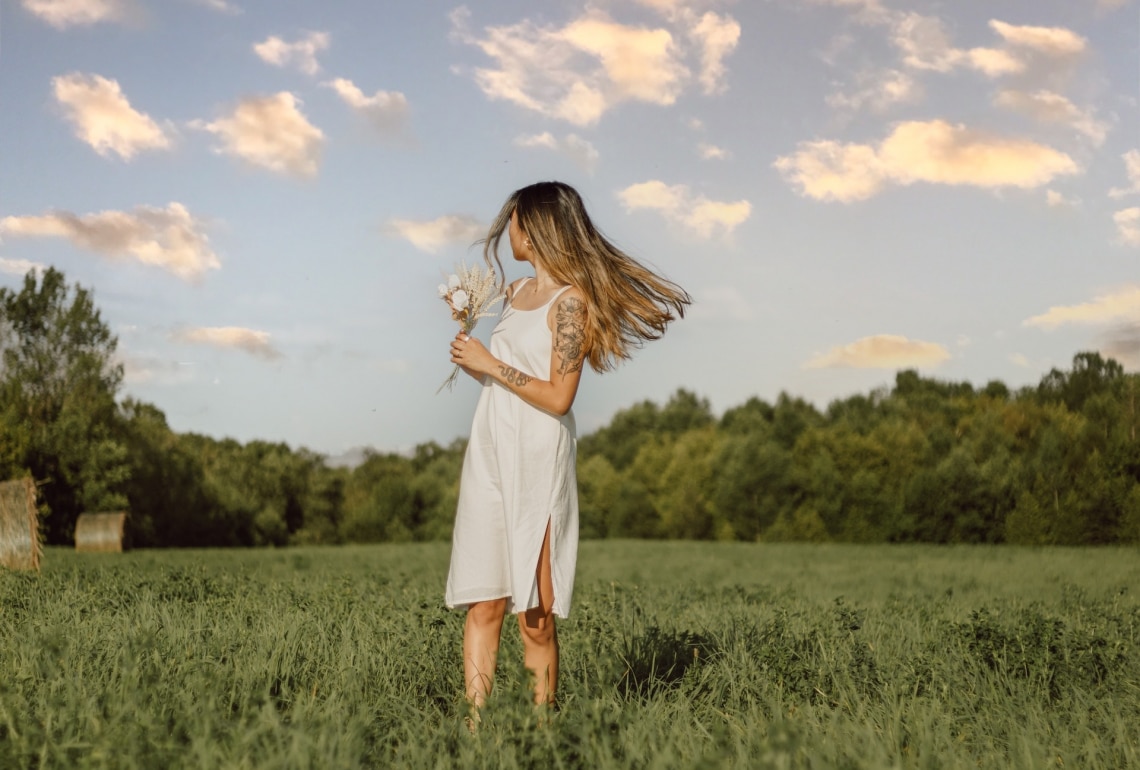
[518, 475]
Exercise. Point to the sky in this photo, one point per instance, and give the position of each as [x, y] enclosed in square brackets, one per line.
[264, 195]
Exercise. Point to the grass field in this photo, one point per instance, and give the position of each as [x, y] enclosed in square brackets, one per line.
[676, 655]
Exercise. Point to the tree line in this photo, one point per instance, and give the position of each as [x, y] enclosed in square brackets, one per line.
[922, 461]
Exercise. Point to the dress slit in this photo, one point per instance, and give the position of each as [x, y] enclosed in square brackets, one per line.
[535, 586]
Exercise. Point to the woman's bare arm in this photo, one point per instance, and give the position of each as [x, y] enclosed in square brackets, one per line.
[567, 320]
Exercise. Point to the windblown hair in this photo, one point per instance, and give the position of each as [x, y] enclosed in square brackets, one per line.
[627, 304]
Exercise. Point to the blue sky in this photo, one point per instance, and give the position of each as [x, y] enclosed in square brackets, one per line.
[263, 195]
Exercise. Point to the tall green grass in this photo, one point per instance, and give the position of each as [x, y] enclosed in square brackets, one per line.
[676, 655]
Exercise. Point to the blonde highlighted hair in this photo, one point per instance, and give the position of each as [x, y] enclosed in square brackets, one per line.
[627, 304]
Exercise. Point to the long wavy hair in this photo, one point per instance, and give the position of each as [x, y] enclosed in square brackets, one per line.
[627, 304]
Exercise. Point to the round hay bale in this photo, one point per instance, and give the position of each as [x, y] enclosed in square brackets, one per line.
[101, 532]
[20, 546]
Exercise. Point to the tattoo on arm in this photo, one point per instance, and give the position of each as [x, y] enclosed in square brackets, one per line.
[514, 376]
[570, 334]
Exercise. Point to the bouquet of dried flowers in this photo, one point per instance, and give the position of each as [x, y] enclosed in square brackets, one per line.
[470, 293]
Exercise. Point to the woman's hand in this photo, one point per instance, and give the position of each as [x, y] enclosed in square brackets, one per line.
[471, 356]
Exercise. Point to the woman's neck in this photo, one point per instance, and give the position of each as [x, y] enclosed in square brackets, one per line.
[543, 281]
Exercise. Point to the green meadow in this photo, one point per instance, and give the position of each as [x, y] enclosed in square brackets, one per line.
[676, 655]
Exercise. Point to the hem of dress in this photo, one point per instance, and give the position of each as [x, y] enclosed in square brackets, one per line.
[463, 605]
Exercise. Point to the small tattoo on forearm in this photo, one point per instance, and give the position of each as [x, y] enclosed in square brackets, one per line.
[570, 334]
[514, 376]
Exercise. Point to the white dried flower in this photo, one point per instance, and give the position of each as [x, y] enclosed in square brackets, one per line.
[470, 293]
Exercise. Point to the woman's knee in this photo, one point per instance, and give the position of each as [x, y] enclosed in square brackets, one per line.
[537, 627]
[488, 613]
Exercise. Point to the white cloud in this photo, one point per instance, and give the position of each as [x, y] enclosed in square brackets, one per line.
[678, 204]
[433, 235]
[717, 37]
[67, 13]
[579, 150]
[993, 62]
[103, 118]
[252, 341]
[386, 110]
[866, 11]
[169, 238]
[1132, 169]
[1019, 359]
[142, 369]
[1049, 107]
[301, 53]
[1056, 42]
[878, 91]
[1122, 304]
[1111, 5]
[221, 6]
[667, 7]
[638, 63]
[935, 152]
[1128, 225]
[20, 266]
[712, 152]
[882, 351]
[271, 132]
[828, 170]
[545, 139]
[1055, 199]
[925, 45]
[578, 71]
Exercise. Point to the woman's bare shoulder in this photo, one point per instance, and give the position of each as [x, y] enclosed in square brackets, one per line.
[513, 286]
[571, 297]
[568, 308]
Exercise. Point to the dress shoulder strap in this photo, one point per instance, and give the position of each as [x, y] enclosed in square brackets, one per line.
[521, 283]
[557, 294]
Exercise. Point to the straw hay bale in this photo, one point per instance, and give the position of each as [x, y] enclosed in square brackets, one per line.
[101, 532]
[19, 525]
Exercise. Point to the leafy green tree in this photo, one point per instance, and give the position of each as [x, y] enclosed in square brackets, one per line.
[1091, 374]
[379, 500]
[230, 505]
[685, 411]
[613, 503]
[1130, 517]
[1028, 523]
[598, 485]
[435, 487]
[754, 415]
[791, 417]
[685, 502]
[751, 486]
[166, 490]
[58, 383]
[619, 441]
[323, 507]
[803, 526]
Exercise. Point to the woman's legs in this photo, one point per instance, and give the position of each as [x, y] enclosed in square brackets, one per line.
[540, 641]
[484, 625]
[481, 647]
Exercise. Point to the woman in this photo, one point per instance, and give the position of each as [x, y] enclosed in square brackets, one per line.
[515, 542]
